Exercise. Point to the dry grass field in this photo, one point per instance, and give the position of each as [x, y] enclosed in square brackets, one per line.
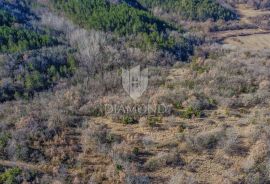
[255, 39]
[254, 42]
[247, 12]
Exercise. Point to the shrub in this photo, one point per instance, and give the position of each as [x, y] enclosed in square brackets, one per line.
[34, 81]
[181, 128]
[137, 179]
[164, 159]
[190, 84]
[153, 121]
[136, 151]
[6, 18]
[119, 167]
[182, 178]
[191, 112]
[101, 137]
[177, 105]
[129, 120]
[232, 144]
[205, 140]
[9, 176]
[195, 66]
[4, 138]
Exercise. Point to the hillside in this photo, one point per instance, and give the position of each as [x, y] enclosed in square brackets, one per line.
[134, 92]
[193, 9]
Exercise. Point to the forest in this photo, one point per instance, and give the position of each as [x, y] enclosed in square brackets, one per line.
[193, 9]
[15, 38]
[27, 70]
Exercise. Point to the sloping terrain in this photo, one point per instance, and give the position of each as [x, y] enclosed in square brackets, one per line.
[65, 117]
[253, 39]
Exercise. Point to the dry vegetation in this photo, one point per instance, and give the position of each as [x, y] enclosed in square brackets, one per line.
[215, 131]
[256, 37]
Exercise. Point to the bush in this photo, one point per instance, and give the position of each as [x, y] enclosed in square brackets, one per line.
[232, 144]
[205, 140]
[102, 138]
[4, 138]
[182, 178]
[152, 121]
[6, 18]
[137, 179]
[191, 112]
[164, 159]
[129, 120]
[34, 81]
[10, 176]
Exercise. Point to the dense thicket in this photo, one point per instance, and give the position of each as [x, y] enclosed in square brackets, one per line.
[118, 18]
[193, 9]
[23, 74]
[124, 20]
[16, 38]
[6, 18]
[19, 39]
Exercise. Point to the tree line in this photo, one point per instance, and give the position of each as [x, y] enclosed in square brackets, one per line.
[199, 10]
[140, 27]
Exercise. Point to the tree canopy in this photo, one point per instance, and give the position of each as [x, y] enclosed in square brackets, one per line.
[193, 9]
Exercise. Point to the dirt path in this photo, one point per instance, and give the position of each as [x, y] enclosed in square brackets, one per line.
[254, 39]
[223, 35]
[40, 168]
[245, 14]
